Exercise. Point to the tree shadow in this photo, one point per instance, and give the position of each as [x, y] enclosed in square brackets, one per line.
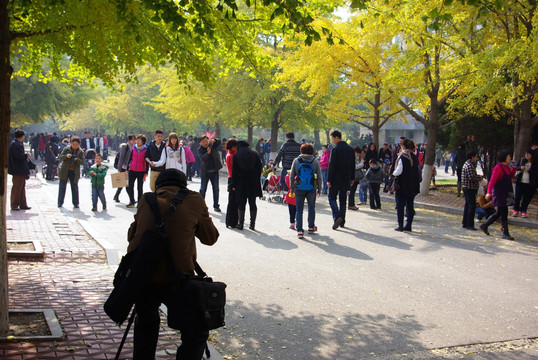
[269, 332]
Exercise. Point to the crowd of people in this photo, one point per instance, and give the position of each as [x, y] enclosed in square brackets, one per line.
[337, 171]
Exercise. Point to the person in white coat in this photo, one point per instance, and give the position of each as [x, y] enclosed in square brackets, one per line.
[173, 155]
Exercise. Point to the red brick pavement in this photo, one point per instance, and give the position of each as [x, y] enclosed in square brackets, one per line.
[74, 280]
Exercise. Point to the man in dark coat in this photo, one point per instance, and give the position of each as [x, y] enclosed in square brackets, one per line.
[18, 168]
[246, 173]
[341, 174]
[210, 165]
[51, 154]
[287, 153]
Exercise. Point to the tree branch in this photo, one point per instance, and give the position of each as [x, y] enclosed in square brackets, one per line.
[23, 35]
[508, 111]
[412, 112]
[453, 121]
[443, 100]
[363, 124]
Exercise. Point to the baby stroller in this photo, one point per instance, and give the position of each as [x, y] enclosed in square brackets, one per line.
[274, 192]
[89, 160]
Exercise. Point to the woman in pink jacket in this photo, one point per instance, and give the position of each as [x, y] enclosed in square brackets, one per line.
[189, 157]
[324, 164]
[499, 186]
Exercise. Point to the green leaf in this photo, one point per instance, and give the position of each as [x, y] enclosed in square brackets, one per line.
[358, 4]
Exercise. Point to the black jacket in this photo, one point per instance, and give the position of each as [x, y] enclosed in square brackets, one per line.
[17, 159]
[341, 166]
[288, 152]
[210, 162]
[84, 144]
[154, 154]
[409, 179]
[246, 172]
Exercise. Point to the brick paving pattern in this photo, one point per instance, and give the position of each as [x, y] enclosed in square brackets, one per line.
[74, 280]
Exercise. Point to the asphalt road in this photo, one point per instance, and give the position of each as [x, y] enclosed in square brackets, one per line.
[361, 292]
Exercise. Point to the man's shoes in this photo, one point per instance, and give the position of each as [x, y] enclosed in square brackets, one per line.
[15, 209]
[217, 209]
[104, 207]
[116, 199]
[352, 207]
[515, 213]
[524, 215]
[292, 226]
[94, 208]
[399, 228]
[26, 208]
[60, 205]
[75, 206]
[337, 223]
[471, 228]
[313, 230]
[131, 204]
[484, 229]
[507, 236]
[300, 235]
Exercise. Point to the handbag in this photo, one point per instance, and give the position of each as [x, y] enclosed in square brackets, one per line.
[194, 302]
[393, 185]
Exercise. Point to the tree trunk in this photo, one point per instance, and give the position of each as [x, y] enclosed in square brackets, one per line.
[275, 126]
[5, 119]
[375, 125]
[317, 139]
[522, 138]
[250, 130]
[429, 158]
[217, 130]
[328, 135]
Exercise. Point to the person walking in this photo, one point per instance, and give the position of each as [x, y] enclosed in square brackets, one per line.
[287, 153]
[189, 158]
[359, 175]
[98, 174]
[71, 157]
[154, 152]
[210, 165]
[525, 185]
[260, 149]
[189, 221]
[51, 155]
[17, 167]
[407, 171]
[499, 186]
[246, 173]
[173, 155]
[138, 170]
[306, 182]
[232, 218]
[324, 165]
[124, 159]
[374, 176]
[340, 177]
[470, 182]
[267, 151]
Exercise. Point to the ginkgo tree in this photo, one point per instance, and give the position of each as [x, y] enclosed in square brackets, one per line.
[350, 75]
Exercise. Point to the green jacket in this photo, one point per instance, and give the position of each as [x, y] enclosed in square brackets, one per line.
[99, 178]
[77, 159]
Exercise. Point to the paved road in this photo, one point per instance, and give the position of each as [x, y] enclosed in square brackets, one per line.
[365, 291]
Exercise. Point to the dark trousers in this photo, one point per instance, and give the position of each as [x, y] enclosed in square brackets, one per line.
[283, 174]
[352, 192]
[231, 210]
[375, 200]
[63, 188]
[242, 205]
[214, 178]
[524, 194]
[139, 177]
[407, 202]
[51, 170]
[342, 197]
[118, 192]
[18, 192]
[293, 211]
[469, 208]
[189, 172]
[147, 323]
[501, 212]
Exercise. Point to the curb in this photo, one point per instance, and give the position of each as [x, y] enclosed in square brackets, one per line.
[458, 211]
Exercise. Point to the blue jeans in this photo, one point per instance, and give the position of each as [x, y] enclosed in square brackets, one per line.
[469, 208]
[363, 193]
[342, 198]
[98, 192]
[484, 213]
[214, 178]
[407, 202]
[324, 173]
[267, 155]
[300, 196]
[63, 187]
